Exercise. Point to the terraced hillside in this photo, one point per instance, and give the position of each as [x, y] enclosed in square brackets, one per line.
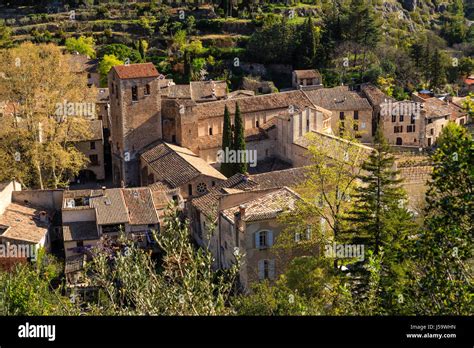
[217, 34]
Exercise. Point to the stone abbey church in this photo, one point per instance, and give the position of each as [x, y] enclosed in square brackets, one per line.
[146, 109]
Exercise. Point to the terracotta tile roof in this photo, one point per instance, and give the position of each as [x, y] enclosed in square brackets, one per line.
[160, 186]
[240, 93]
[267, 206]
[269, 124]
[84, 230]
[178, 92]
[160, 200]
[133, 71]
[338, 98]
[208, 203]
[265, 102]
[22, 222]
[434, 107]
[176, 165]
[140, 206]
[111, 208]
[280, 178]
[208, 90]
[307, 74]
[374, 95]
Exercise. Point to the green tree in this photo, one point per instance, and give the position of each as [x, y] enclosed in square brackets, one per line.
[121, 52]
[5, 36]
[238, 143]
[379, 200]
[226, 168]
[442, 277]
[184, 283]
[437, 70]
[274, 43]
[26, 289]
[82, 45]
[455, 28]
[309, 36]
[142, 48]
[38, 136]
[380, 220]
[107, 62]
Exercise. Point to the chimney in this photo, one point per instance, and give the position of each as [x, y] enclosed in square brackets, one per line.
[242, 212]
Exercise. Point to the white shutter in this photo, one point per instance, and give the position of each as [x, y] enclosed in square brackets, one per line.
[261, 270]
[269, 238]
[257, 240]
[271, 269]
[308, 232]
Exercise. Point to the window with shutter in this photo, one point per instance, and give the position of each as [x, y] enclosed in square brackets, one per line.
[261, 271]
[271, 269]
[269, 238]
[308, 232]
[263, 239]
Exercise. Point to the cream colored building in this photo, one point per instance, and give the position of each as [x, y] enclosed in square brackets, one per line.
[349, 110]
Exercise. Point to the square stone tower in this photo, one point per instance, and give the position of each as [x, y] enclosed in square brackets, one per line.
[135, 111]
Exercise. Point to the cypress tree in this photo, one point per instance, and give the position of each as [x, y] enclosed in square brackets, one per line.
[226, 168]
[308, 45]
[239, 142]
[437, 70]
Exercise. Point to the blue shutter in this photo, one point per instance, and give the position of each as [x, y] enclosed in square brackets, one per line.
[257, 240]
[269, 238]
[271, 269]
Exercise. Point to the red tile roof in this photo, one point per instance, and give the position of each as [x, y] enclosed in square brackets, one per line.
[136, 71]
[469, 81]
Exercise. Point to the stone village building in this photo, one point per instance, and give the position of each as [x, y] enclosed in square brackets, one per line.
[167, 136]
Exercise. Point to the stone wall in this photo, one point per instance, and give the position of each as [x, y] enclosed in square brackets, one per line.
[48, 199]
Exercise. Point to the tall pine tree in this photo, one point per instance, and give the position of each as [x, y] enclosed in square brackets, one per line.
[238, 144]
[380, 220]
[226, 168]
